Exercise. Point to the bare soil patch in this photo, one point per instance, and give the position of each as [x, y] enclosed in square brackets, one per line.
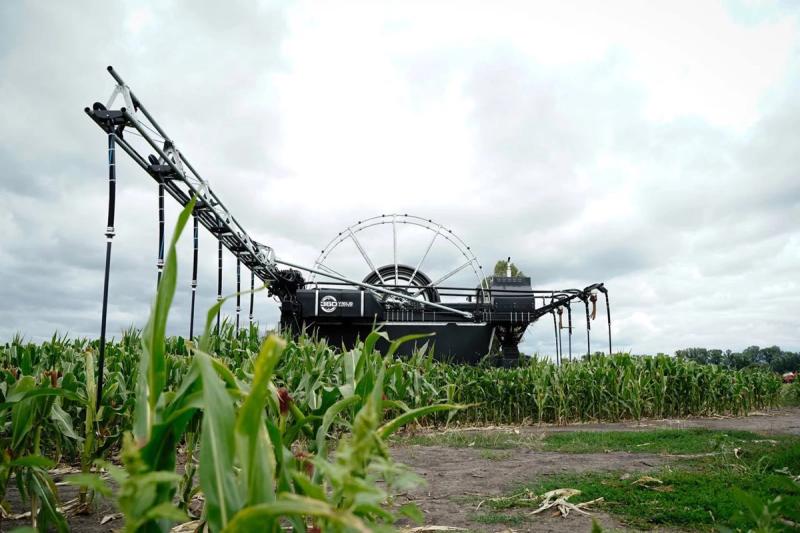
[459, 478]
[89, 522]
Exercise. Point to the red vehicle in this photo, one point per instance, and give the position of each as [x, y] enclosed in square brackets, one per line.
[789, 377]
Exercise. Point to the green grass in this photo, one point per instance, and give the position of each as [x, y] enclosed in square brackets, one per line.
[489, 440]
[496, 455]
[662, 441]
[493, 517]
[698, 494]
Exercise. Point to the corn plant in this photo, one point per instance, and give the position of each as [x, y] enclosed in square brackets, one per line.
[27, 402]
[317, 375]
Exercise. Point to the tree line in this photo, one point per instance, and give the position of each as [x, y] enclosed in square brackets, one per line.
[772, 357]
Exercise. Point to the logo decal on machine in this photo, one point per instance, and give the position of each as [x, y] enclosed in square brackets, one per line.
[329, 304]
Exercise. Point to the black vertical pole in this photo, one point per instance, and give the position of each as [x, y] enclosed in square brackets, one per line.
[608, 314]
[555, 331]
[569, 326]
[238, 291]
[112, 189]
[219, 278]
[194, 275]
[252, 293]
[160, 262]
[560, 343]
[588, 331]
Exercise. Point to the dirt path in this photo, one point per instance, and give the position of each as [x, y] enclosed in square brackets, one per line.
[459, 478]
[785, 420]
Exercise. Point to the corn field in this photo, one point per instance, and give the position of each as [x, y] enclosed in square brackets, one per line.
[256, 418]
[603, 388]
[53, 382]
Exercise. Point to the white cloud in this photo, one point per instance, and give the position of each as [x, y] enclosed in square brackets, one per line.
[650, 145]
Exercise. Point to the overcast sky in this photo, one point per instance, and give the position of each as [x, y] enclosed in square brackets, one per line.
[651, 145]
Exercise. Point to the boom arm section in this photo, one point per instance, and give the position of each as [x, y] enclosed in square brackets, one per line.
[170, 168]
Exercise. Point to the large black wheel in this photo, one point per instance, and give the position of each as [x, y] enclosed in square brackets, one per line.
[404, 279]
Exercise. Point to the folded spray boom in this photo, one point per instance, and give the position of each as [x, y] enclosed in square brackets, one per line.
[397, 297]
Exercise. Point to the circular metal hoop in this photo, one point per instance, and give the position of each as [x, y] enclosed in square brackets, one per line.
[440, 234]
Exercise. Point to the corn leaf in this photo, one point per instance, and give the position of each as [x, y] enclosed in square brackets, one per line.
[395, 344]
[213, 311]
[253, 446]
[22, 413]
[45, 489]
[252, 518]
[153, 374]
[33, 461]
[217, 448]
[62, 420]
[328, 419]
[92, 481]
[396, 423]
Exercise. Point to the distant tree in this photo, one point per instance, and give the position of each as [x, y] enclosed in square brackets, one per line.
[502, 265]
[752, 353]
[715, 357]
[766, 355]
[699, 355]
[726, 358]
[772, 357]
[785, 362]
[742, 360]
